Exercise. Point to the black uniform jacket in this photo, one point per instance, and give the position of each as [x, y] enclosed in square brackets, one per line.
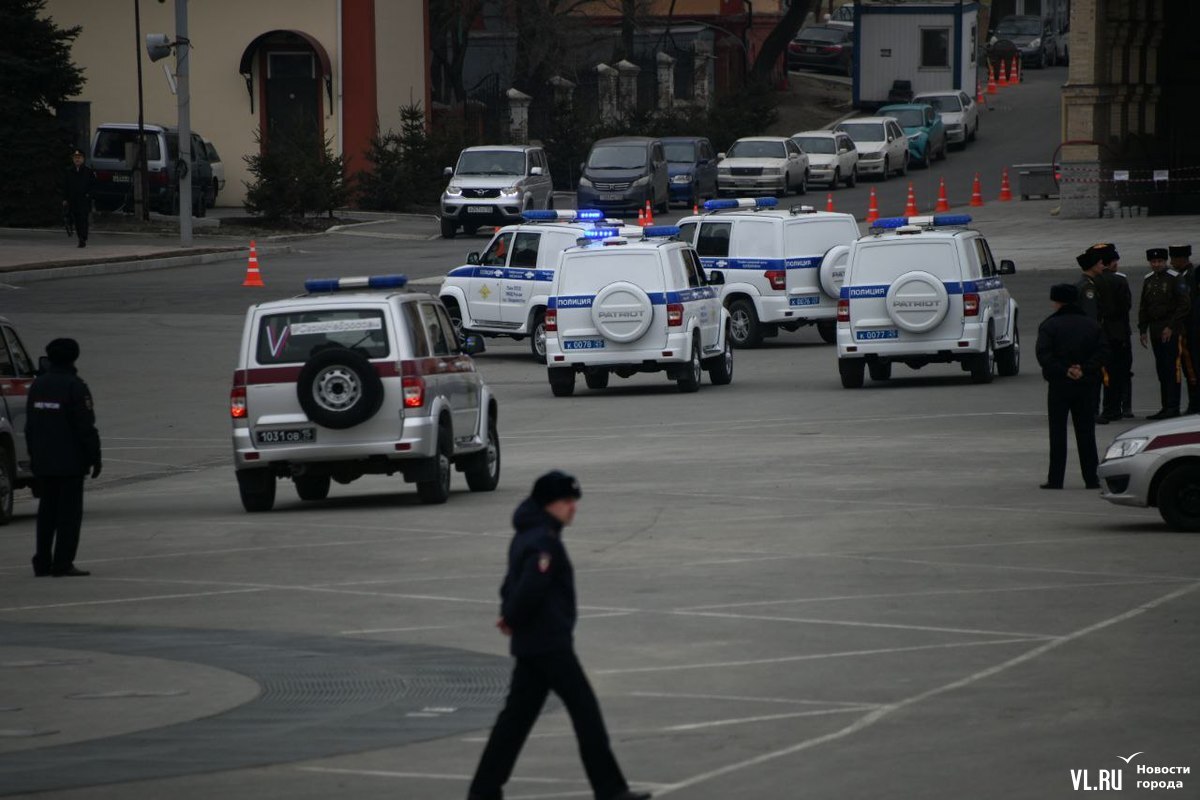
[1165, 303]
[77, 184]
[537, 599]
[1116, 301]
[1069, 336]
[60, 425]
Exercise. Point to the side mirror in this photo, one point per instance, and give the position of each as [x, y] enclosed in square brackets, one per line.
[472, 345]
[716, 278]
[448, 172]
[582, 167]
[472, 258]
[720, 156]
[535, 171]
[1007, 268]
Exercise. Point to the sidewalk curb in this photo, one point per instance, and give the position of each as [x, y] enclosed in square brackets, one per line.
[131, 265]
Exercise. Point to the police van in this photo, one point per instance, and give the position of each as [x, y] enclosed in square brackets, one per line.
[622, 305]
[926, 290]
[502, 291]
[783, 268]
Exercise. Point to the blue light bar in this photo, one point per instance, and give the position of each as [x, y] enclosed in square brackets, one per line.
[323, 285]
[952, 219]
[601, 233]
[660, 230]
[536, 215]
[890, 223]
[741, 202]
[589, 214]
[940, 220]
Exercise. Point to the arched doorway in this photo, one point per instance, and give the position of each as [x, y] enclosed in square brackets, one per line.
[290, 69]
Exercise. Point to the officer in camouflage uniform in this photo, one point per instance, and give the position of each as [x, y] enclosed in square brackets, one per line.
[1181, 262]
[1162, 315]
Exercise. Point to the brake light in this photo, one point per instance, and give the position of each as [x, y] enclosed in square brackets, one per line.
[237, 402]
[777, 277]
[104, 175]
[833, 48]
[551, 321]
[970, 305]
[674, 315]
[843, 314]
[414, 391]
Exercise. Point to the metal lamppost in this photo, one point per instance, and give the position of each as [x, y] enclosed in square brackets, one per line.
[141, 190]
[158, 46]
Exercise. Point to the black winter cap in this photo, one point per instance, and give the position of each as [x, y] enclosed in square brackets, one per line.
[1106, 251]
[1155, 253]
[1087, 259]
[555, 485]
[63, 352]
[1064, 293]
[1179, 250]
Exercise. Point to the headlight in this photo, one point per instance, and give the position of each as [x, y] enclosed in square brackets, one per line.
[453, 191]
[685, 178]
[510, 191]
[1124, 448]
[642, 181]
[724, 171]
[772, 171]
[1036, 43]
[584, 182]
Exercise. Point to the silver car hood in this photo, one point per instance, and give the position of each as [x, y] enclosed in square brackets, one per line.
[754, 162]
[485, 181]
[821, 159]
[1185, 424]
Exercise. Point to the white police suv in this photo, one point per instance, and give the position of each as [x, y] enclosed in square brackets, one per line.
[925, 290]
[354, 378]
[783, 268]
[503, 291]
[622, 305]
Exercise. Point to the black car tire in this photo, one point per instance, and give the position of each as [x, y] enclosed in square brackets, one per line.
[312, 487]
[537, 334]
[827, 328]
[853, 372]
[689, 380]
[8, 486]
[1179, 498]
[720, 368]
[437, 491]
[745, 330]
[1008, 360]
[483, 470]
[596, 378]
[880, 370]
[449, 228]
[257, 489]
[983, 365]
[470, 230]
[562, 381]
[887, 169]
[339, 370]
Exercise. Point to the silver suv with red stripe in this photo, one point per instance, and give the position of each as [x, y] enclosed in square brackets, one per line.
[358, 377]
[17, 372]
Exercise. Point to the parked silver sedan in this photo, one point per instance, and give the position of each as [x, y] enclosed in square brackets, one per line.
[763, 165]
[1157, 465]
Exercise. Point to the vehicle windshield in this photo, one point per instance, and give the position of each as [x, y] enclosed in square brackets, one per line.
[295, 337]
[863, 131]
[824, 145]
[908, 117]
[491, 162]
[1019, 27]
[944, 102]
[110, 144]
[821, 35]
[680, 152]
[758, 150]
[618, 156]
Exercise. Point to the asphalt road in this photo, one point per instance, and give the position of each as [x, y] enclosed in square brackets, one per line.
[789, 590]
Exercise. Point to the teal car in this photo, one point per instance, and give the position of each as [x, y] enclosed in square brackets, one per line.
[924, 128]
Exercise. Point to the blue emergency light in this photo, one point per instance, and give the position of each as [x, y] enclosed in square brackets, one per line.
[740, 202]
[601, 233]
[323, 285]
[660, 231]
[589, 214]
[936, 221]
[563, 215]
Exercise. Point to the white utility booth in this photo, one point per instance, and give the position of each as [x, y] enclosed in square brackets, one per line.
[934, 45]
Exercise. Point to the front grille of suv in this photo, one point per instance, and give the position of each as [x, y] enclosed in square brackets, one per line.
[613, 187]
[479, 193]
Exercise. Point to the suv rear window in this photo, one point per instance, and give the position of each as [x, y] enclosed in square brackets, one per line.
[295, 337]
[884, 262]
[110, 144]
[586, 274]
[816, 237]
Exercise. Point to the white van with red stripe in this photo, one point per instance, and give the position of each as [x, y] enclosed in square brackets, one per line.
[356, 378]
[17, 372]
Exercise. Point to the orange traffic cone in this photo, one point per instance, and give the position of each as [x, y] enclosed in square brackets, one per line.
[253, 276]
[991, 87]
[829, 202]
[641, 218]
[979, 98]
[943, 202]
[872, 208]
[696, 209]
[910, 209]
[649, 214]
[1015, 72]
[976, 193]
[1003, 80]
[1005, 188]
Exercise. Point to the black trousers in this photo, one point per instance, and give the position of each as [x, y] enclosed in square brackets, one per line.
[533, 678]
[60, 516]
[1120, 362]
[1166, 362]
[1076, 399]
[80, 211]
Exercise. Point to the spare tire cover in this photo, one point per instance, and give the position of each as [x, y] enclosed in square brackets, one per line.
[833, 270]
[917, 302]
[339, 388]
[622, 312]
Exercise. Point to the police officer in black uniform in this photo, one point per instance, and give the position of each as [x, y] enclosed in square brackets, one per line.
[1181, 261]
[1161, 318]
[1092, 301]
[1118, 394]
[60, 431]
[1070, 350]
[77, 194]
[538, 611]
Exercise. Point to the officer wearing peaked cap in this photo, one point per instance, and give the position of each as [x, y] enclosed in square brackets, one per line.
[1092, 302]
[537, 610]
[1118, 332]
[1162, 316]
[1180, 256]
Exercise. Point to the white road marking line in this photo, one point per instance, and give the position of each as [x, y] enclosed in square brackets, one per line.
[127, 600]
[811, 657]
[1017, 568]
[931, 593]
[880, 713]
[745, 699]
[431, 776]
[853, 624]
[366, 631]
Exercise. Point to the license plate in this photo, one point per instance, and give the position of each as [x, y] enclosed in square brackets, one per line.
[479, 209]
[583, 344]
[288, 436]
[120, 178]
[804, 301]
[871, 336]
[810, 49]
[611, 196]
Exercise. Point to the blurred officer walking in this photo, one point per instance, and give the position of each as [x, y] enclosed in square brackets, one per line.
[1161, 318]
[538, 611]
[1189, 344]
[77, 194]
[60, 431]
[1118, 333]
[1070, 350]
